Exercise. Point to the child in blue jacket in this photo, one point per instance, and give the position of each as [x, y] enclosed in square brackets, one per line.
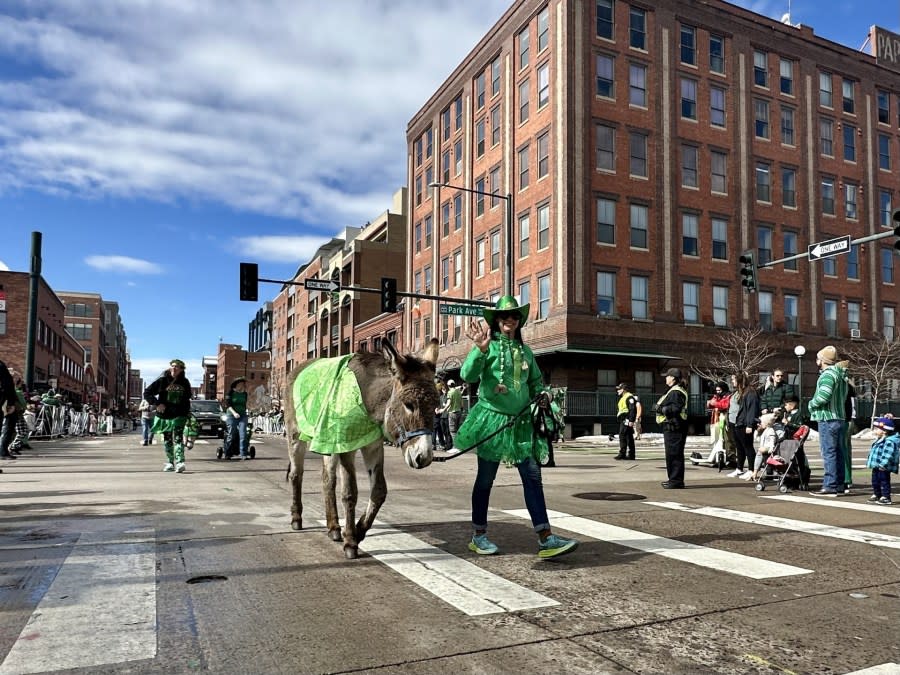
[884, 458]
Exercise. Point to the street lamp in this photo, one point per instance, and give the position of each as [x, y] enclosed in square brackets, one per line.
[800, 350]
[508, 269]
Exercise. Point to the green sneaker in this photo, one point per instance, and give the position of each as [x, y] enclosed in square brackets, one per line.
[481, 545]
[555, 545]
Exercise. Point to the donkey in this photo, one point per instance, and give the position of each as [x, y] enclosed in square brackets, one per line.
[396, 395]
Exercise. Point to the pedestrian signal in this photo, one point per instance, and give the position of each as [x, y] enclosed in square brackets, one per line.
[748, 271]
[388, 295]
[249, 285]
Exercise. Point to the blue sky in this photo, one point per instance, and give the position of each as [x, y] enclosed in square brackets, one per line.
[158, 144]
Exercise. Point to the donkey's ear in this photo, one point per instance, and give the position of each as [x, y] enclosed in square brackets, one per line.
[431, 352]
[394, 358]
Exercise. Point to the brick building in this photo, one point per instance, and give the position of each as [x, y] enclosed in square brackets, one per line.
[85, 320]
[232, 362]
[644, 146]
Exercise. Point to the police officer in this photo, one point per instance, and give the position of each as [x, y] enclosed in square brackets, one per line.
[626, 414]
[671, 415]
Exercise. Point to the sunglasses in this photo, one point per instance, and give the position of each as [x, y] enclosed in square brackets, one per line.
[502, 316]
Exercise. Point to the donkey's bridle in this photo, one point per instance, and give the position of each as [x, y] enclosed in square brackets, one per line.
[403, 435]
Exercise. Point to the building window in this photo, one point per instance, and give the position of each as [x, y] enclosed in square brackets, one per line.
[849, 103]
[828, 196]
[787, 125]
[830, 318]
[888, 323]
[690, 300]
[606, 293]
[719, 172]
[457, 269]
[637, 144]
[689, 45]
[445, 124]
[689, 166]
[637, 85]
[479, 138]
[829, 267]
[494, 182]
[884, 107]
[789, 240]
[763, 182]
[417, 237]
[851, 193]
[605, 19]
[791, 323]
[543, 215]
[760, 69]
[457, 157]
[543, 151]
[457, 211]
[637, 28]
[717, 106]
[445, 273]
[640, 297]
[764, 245]
[887, 266]
[761, 118]
[495, 250]
[543, 29]
[543, 78]
[884, 152]
[524, 234]
[717, 53]
[826, 90]
[638, 226]
[853, 262]
[543, 296]
[495, 125]
[418, 190]
[720, 305]
[479, 91]
[789, 187]
[523, 168]
[688, 98]
[720, 239]
[445, 219]
[445, 166]
[690, 234]
[606, 148]
[480, 247]
[428, 231]
[884, 207]
[479, 198]
[606, 221]
[826, 137]
[495, 77]
[765, 310]
[606, 78]
[525, 292]
[458, 111]
[524, 94]
[524, 44]
[849, 142]
[786, 70]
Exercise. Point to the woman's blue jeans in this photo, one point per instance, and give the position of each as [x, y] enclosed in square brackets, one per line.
[146, 424]
[237, 434]
[532, 487]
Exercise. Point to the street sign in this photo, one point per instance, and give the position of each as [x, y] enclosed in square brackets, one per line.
[826, 249]
[460, 310]
[321, 285]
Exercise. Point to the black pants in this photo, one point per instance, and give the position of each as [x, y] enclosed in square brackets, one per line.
[744, 445]
[674, 443]
[626, 440]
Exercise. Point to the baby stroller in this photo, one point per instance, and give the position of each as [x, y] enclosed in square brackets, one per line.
[786, 466]
[230, 449]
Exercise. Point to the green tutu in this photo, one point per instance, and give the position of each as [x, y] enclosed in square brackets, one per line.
[513, 445]
[162, 426]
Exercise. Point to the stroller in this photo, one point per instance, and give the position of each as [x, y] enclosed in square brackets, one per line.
[786, 466]
[230, 449]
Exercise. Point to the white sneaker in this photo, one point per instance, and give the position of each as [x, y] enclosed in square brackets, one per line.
[747, 475]
[169, 467]
[452, 451]
[735, 473]
[179, 468]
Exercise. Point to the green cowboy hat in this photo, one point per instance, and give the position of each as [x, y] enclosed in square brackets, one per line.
[507, 304]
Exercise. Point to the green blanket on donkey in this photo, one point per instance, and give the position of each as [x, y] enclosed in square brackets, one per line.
[330, 411]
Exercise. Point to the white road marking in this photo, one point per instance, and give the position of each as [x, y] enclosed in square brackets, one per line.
[99, 610]
[837, 502]
[880, 669]
[704, 556]
[457, 582]
[861, 536]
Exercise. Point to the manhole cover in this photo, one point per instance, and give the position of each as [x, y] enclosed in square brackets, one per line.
[205, 579]
[609, 496]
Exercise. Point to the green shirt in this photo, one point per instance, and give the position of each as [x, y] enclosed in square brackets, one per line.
[508, 363]
[455, 396]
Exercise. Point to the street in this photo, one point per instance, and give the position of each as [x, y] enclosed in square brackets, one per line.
[110, 565]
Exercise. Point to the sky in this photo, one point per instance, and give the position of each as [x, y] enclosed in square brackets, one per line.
[156, 144]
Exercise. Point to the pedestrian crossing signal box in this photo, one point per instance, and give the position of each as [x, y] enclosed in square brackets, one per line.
[388, 295]
[249, 286]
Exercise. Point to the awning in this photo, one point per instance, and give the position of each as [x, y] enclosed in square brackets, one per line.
[605, 352]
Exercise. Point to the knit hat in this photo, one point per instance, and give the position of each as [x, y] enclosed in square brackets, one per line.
[827, 355]
[622, 386]
[177, 362]
[673, 372]
[884, 423]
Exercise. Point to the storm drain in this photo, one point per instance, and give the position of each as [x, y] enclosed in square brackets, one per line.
[609, 496]
[207, 578]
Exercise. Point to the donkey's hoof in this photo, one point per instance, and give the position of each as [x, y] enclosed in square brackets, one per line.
[335, 535]
[351, 552]
[296, 524]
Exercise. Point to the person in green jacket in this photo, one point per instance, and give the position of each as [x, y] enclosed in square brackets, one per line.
[827, 408]
[509, 379]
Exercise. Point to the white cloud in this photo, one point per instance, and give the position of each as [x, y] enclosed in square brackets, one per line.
[4, 267]
[283, 108]
[122, 263]
[279, 248]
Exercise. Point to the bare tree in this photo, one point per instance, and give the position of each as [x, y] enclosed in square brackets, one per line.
[877, 361]
[733, 351]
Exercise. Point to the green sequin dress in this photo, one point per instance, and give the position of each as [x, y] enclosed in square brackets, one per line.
[510, 378]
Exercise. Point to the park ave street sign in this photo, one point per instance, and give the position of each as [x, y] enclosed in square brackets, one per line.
[460, 310]
[826, 249]
[321, 285]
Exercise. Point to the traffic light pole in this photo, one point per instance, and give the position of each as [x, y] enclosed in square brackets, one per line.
[800, 256]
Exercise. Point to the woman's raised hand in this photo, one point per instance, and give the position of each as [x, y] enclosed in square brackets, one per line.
[479, 334]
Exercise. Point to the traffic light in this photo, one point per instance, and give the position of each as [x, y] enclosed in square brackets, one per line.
[896, 218]
[748, 271]
[388, 295]
[249, 281]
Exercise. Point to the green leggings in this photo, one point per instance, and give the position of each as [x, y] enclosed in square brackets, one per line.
[174, 444]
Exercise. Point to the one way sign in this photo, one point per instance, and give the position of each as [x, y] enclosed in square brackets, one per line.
[826, 249]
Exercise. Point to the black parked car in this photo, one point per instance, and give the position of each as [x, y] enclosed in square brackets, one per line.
[209, 417]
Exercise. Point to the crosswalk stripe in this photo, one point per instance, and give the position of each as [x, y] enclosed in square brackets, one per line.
[704, 556]
[880, 669]
[836, 503]
[457, 582]
[99, 610]
[860, 536]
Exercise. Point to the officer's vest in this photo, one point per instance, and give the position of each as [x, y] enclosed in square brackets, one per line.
[660, 418]
[622, 406]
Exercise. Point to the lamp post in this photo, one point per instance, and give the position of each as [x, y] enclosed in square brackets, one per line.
[508, 268]
[800, 350]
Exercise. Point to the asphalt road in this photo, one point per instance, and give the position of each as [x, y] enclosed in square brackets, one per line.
[109, 565]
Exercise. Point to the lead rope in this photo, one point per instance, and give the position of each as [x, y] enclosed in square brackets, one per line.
[493, 433]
